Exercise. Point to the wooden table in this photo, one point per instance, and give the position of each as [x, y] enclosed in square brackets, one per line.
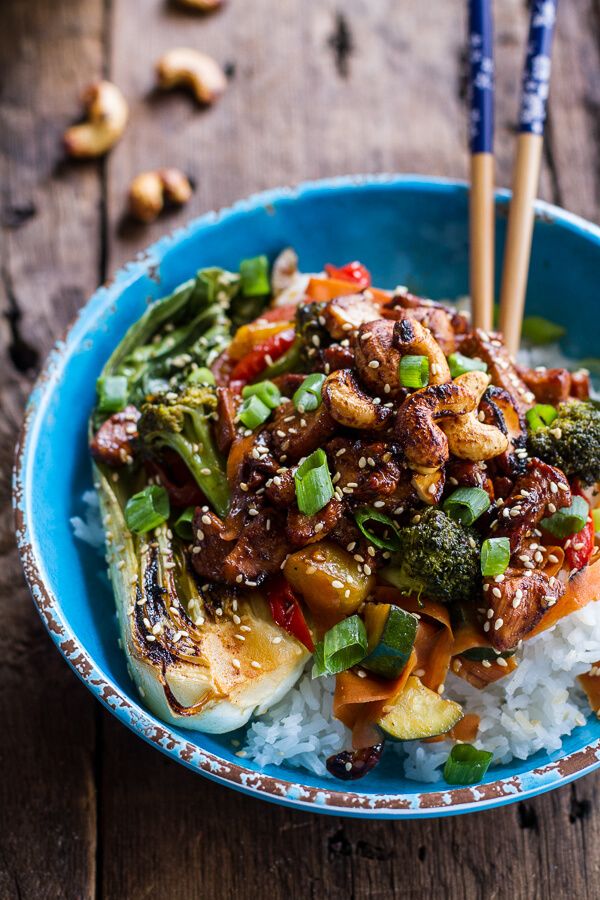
[86, 809]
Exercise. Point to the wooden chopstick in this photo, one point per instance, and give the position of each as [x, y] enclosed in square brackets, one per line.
[534, 93]
[481, 196]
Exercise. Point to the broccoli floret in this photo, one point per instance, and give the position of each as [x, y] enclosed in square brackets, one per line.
[572, 441]
[438, 559]
[181, 422]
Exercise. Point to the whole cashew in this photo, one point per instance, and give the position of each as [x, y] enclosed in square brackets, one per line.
[430, 486]
[424, 443]
[183, 66]
[349, 405]
[149, 190]
[411, 337]
[107, 114]
[468, 437]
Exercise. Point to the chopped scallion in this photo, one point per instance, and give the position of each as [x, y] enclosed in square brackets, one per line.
[201, 375]
[254, 412]
[540, 415]
[569, 520]
[387, 537]
[254, 275]
[112, 393]
[343, 646]
[460, 364]
[466, 504]
[466, 764]
[495, 556]
[183, 525]
[147, 510]
[414, 371]
[314, 489]
[266, 391]
[308, 396]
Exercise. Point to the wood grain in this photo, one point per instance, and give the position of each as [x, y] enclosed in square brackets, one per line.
[86, 809]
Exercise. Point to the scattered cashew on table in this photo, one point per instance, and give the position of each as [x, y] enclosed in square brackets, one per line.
[185, 67]
[149, 191]
[107, 114]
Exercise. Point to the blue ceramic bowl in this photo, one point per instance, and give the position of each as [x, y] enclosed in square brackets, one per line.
[406, 230]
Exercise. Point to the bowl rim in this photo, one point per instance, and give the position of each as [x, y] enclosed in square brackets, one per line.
[141, 721]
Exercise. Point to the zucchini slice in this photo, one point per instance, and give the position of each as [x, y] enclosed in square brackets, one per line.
[418, 713]
[391, 632]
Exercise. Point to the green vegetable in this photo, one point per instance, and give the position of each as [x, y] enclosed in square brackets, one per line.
[414, 371]
[308, 396]
[201, 375]
[147, 510]
[572, 441]
[289, 362]
[112, 393]
[466, 504]
[254, 275]
[460, 364]
[569, 520]
[254, 412]
[391, 632]
[343, 646]
[540, 415]
[266, 391]
[386, 538]
[495, 556]
[314, 489]
[183, 524]
[539, 331]
[182, 422]
[438, 557]
[466, 764]
[596, 519]
[478, 654]
[419, 713]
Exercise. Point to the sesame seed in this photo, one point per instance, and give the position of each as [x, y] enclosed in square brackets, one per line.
[501, 662]
[486, 626]
[378, 504]
[236, 663]
[206, 520]
[252, 511]
[490, 613]
[496, 592]
[319, 527]
[554, 487]
[236, 619]
[374, 364]
[255, 664]
[239, 637]
[362, 462]
[486, 663]
[367, 569]
[205, 471]
[551, 508]
[276, 640]
[498, 624]
[338, 585]
[245, 628]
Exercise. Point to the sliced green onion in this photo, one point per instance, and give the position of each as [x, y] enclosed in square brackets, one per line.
[254, 274]
[540, 415]
[112, 393]
[538, 331]
[569, 520]
[183, 525]
[389, 540]
[460, 364]
[414, 371]
[344, 645]
[319, 668]
[308, 396]
[466, 764]
[266, 391]
[596, 519]
[147, 510]
[495, 556]
[466, 504]
[201, 375]
[314, 489]
[254, 412]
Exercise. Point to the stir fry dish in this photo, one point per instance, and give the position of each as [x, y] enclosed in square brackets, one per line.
[293, 466]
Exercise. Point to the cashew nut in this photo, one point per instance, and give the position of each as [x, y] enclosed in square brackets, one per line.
[411, 337]
[349, 405]
[430, 486]
[186, 67]
[107, 114]
[376, 359]
[202, 5]
[149, 191]
[424, 443]
[468, 437]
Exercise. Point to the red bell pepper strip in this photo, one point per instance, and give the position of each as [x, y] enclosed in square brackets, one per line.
[284, 313]
[286, 612]
[352, 271]
[579, 547]
[253, 363]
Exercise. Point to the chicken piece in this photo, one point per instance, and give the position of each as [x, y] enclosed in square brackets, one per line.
[501, 367]
[302, 529]
[539, 493]
[436, 319]
[337, 357]
[517, 603]
[293, 435]
[225, 430]
[499, 408]
[377, 360]
[403, 299]
[367, 471]
[344, 314]
[548, 385]
[113, 443]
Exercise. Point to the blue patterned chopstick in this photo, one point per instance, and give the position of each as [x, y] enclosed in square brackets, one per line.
[481, 60]
[536, 74]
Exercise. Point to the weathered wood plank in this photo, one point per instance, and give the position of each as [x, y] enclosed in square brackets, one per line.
[48, 262]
